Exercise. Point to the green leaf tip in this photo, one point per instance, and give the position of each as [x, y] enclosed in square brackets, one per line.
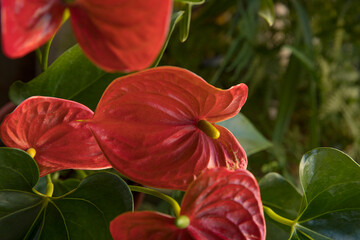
[267, 11]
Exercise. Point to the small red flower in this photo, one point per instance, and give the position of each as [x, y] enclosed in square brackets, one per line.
[156, 126]
[48, 129]
[118, 35]
[219, 205]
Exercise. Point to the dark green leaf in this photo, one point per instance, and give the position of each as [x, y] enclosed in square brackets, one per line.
[63, 187]
[69, 76]
[280, 195]
[83, 213]
[331, 207]
[267, 11]
[324, 168]
[248, 136]
[18, 171]
[275, 230]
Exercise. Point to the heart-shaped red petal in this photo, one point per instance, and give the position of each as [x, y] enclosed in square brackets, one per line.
[224, 204]
[146, 125]
[51, 127]
[146, 225]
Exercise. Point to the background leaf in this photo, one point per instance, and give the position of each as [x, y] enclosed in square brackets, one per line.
[267, 12]
[70, 75]
[248, 136]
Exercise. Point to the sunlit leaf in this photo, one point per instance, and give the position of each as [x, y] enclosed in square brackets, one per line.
[245, 132]
[267, 11]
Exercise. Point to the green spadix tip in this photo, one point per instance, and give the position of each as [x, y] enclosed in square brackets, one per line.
[182, 222]
[208, 129]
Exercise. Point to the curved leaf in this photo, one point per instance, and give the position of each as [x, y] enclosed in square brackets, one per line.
[18, 171]
[331, 207]
[267, 11]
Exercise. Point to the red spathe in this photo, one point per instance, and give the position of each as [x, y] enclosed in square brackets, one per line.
[146, 125]
[50, 126]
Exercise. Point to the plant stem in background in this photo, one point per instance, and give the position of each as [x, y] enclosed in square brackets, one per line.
[45, 55]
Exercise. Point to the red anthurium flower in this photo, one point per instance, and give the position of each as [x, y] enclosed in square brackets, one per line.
[118, 35]
[156, 126]
[47, 128]
[219, 205]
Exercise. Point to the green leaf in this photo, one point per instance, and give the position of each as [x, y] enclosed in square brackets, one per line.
[324, 168]
[18, 171]
[305, 60]
[331, 207]
[61, 187]
[83, 213]
[248, 136]
[70, 75]
[280, 195]
[267, 11]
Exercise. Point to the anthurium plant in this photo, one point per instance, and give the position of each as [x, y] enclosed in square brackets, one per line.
[103, 124]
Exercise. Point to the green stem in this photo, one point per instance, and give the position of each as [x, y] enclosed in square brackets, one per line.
[38, 55]
[45, 55]
[49, 186]
[277, 217]
[155, 193]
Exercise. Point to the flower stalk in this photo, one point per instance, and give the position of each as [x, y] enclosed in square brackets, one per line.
[278, 218]
[160, 195]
